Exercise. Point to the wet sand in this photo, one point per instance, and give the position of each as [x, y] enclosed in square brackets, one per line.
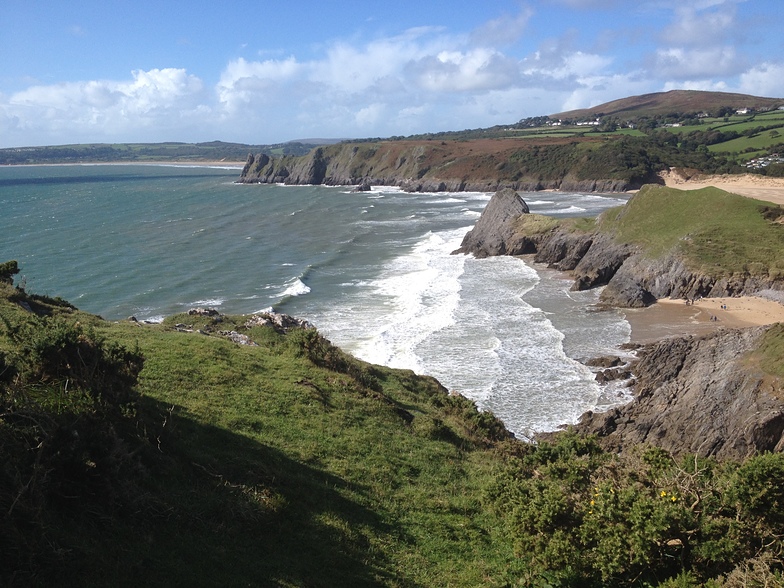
[668, 318]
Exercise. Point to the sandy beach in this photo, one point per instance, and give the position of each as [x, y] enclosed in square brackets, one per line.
[750, 185]
[668, 318]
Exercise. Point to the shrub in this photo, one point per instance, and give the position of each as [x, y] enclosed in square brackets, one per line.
[70, 431]
[578, 516]
[7, 272]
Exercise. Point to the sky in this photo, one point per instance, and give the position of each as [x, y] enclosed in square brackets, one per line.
[98, 71]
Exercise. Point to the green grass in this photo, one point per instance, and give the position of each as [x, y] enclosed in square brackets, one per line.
[772, 351]
[285, 464]
[290, 463]
[535, 224]
[717, 232]
[760, 142]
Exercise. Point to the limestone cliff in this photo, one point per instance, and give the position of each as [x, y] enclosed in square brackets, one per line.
[496, 226]
[633, 276]
[427, 166]
[703, 395]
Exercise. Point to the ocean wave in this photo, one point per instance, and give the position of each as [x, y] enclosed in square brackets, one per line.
[415, 295]
[450, 200]
[387, 189]
[568, 210]
[296, 288]
[206, 302]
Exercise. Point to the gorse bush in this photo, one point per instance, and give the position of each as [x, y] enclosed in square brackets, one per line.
[581, 517]
[69, 430]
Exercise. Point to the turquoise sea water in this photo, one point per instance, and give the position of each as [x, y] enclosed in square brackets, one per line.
[372, 271]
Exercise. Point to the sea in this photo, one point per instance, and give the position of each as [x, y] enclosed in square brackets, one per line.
[373, 271]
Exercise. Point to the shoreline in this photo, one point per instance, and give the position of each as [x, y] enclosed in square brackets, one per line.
[669, 318]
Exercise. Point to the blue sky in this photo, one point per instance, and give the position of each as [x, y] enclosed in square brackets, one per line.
[260, 72]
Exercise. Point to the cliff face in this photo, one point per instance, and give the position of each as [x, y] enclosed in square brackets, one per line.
[421, 166]
[632, 279]
[700, 395]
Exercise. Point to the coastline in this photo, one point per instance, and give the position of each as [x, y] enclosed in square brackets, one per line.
[669, 318]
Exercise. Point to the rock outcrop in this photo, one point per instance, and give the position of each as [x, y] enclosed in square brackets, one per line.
[420, 166]
[700, 395]
[632, 279]
[496, 226]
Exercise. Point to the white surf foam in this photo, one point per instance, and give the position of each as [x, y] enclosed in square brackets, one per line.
[296, 288]
[415, 295]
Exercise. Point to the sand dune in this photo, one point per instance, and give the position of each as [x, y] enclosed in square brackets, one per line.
[750, 185]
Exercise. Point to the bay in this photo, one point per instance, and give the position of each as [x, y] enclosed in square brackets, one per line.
[373, 271]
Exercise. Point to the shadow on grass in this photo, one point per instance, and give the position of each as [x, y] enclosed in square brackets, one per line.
[218, 508]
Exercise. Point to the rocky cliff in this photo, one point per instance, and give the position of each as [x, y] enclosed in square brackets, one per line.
[495, 228]
[431, 166]
[633, 276]
[703, 395]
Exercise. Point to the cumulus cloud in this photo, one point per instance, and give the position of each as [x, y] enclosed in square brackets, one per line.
[766, 79]
[681, 63]
[421, 79]
[401, 84]
[99, 108]
[693, 26]
[699, 45]
[471, 71]
[243, 83]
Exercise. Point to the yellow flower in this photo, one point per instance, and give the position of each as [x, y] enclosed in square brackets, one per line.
[663, 493]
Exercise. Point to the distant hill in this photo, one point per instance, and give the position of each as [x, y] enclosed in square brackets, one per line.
[674, 101]
[317, 141]
[149, 152]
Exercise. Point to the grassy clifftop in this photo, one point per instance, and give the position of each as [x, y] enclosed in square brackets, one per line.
[285, 463]
[162, 455]
[717, 232]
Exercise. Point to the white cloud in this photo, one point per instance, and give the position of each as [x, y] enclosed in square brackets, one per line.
[244, 83]
[422, 79]
[766, 79]
[682, 63]
[595, 90]
[476, 70]
[157, 98]
[693, 26]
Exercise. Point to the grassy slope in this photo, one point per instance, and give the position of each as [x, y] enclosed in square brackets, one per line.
[263, 468]
[718, 233]
[291, 464]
